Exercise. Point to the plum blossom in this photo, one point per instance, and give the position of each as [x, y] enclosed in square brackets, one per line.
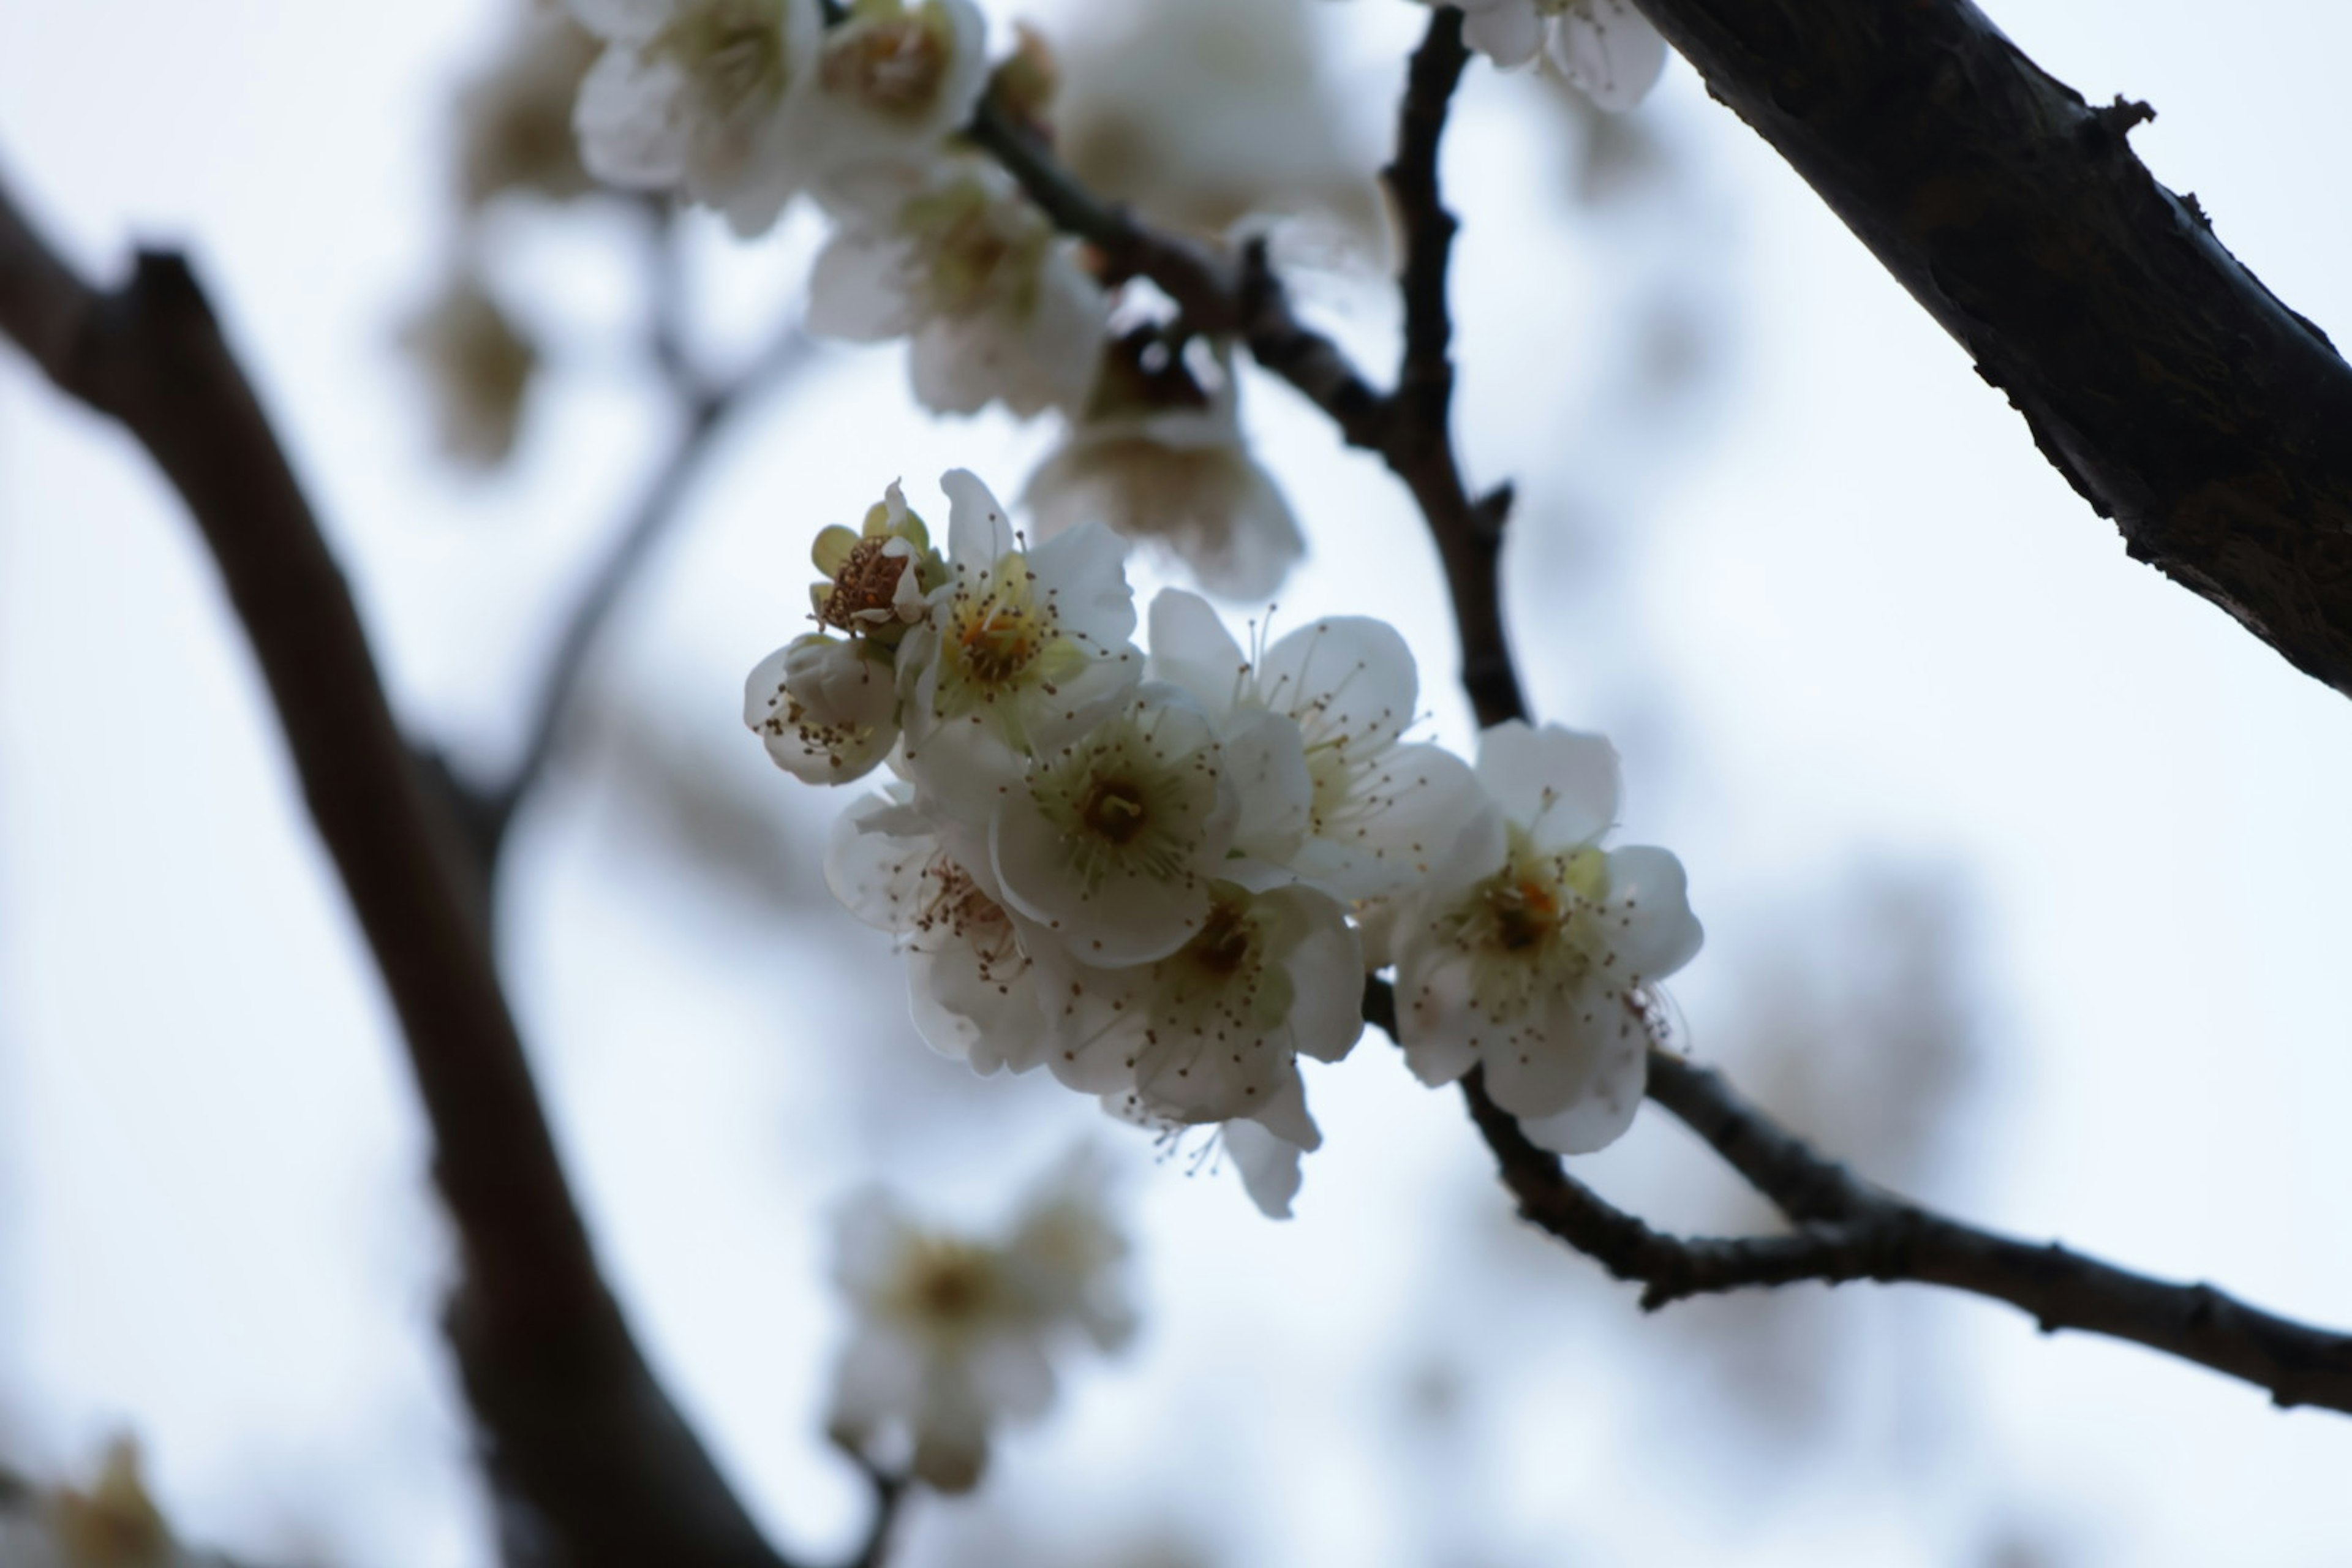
[1162, 459]
[1112, 840]
[996, 303]
[1215, 1030]
[953, 1332]
[828, 708]
[893, 81]
[1535, 965]
[1020, 651]
[1381, 813]
[878, 580]
[1606, 49]
[972, 988]
[700, 96]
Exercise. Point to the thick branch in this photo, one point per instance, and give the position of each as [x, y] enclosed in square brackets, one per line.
[578, 1430]
[2177, 395]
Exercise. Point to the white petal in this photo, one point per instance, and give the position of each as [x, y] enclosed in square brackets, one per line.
[634, 20]
[956, 364]
[1609, 50]
[858, 288]
[1085, 570]
[1266, 762]
[1326, 974]
[1647, 889]
[1560, 785]
[1508, 34]
[1191, 649]
[1348, 679]
[1421, 815]
[1127, 919]
[1268, 1167]
[631, 124]
[985, 1019]
[1540, 1065]
[979, 532]
[1603, 1107]
[878, 875]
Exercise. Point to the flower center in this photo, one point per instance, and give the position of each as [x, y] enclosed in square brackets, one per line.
[1526, 913]
[734, 51]
[865, 590]
[895, 64]
[1114, 810]
[1224, 944]
[998, 642]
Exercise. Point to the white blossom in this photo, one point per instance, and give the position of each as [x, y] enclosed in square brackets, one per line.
[1112, 840]
[826, 706]
[1606, 49]
[1382, 814]
[700, 96]
[1213, 1030]
[1162, 459]
[970, 986]
[893, 81]
[1205, 113]
[1022, 651]
[1534, 966]
[952, 1332]
[996, 303]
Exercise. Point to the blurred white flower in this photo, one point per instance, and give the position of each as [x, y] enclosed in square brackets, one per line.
[1023, 650]
[515, 117]
[1162, 459]
[112, 1524]
[701, 96]
[1606, 49]
[1206, 112]
[894, 80]
[1382, 815]
[1534, 967]
[996, 303]
[972, 988]
[1112, 841]
[1213, 1031]
[828, 708]
[952, 1332]
[479, 366]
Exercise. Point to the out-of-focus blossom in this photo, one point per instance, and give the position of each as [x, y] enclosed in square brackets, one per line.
[1160, 458]
[1535, 968]
[996, 303]
[515, 118]
[953, 1333]
[702, 97]
[1606, 49]
[479, 366]
[1204, 112]
[111, 1524]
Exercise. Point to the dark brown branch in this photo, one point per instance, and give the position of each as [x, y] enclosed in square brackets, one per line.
[2177, 395]
[1846, 1229]
[578, 1432]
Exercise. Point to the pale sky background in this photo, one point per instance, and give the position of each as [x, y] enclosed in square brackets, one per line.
[1840, 616]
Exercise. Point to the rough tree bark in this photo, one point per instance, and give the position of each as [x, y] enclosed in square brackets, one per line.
[2177, 395]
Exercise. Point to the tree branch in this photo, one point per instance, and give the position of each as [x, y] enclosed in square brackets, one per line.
[1846, 1229]
[577, 1430]
[2176, 394]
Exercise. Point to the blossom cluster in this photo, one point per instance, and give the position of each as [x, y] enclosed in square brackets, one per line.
[746, 105]
[954, 1332]
[1162, 875]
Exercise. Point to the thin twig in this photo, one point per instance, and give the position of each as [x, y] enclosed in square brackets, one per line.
[600, 1464]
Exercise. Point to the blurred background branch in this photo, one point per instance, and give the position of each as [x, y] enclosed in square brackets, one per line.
[596, 1464]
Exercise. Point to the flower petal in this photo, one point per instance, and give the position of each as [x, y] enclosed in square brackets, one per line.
[1560, 785]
